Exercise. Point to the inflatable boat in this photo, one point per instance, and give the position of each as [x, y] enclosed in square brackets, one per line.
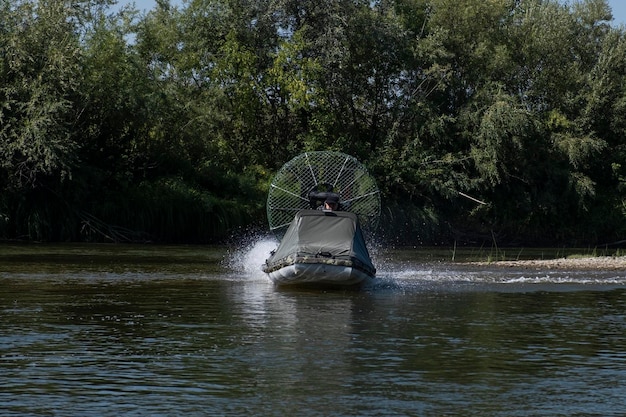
[320, 206]
[321, 247]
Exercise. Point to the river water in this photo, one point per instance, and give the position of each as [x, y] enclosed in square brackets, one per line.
[110, 330]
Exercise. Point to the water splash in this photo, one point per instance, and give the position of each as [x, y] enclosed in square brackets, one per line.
[250, 255]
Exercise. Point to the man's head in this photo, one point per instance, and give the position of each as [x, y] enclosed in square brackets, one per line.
[331, 202]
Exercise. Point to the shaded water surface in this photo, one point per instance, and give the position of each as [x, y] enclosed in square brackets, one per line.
[197, 331]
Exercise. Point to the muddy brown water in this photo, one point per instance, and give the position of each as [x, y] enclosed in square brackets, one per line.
[119, 330]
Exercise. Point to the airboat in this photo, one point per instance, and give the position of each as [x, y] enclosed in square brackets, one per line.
[319, 246]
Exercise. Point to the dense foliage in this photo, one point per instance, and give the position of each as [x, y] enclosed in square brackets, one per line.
[168, 126]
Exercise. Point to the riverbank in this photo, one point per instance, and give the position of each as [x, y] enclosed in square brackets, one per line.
[583, 263]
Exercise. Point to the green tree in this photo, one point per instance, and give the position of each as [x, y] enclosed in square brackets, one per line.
[39, 80]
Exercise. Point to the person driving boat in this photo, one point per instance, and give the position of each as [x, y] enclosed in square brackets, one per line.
[331, 203]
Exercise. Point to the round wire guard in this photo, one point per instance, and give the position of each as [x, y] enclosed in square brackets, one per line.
[322, 171]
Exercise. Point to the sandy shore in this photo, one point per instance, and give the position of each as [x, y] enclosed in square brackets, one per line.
[596, 263]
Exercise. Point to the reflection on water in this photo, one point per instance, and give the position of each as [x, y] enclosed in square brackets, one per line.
[177, 331]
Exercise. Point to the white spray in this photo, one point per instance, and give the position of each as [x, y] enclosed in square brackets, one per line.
[250, 257]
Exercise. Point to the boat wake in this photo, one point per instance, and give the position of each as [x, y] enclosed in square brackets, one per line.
[444, 276]
[246, 262]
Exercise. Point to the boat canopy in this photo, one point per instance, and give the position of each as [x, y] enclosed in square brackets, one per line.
[332, 237]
